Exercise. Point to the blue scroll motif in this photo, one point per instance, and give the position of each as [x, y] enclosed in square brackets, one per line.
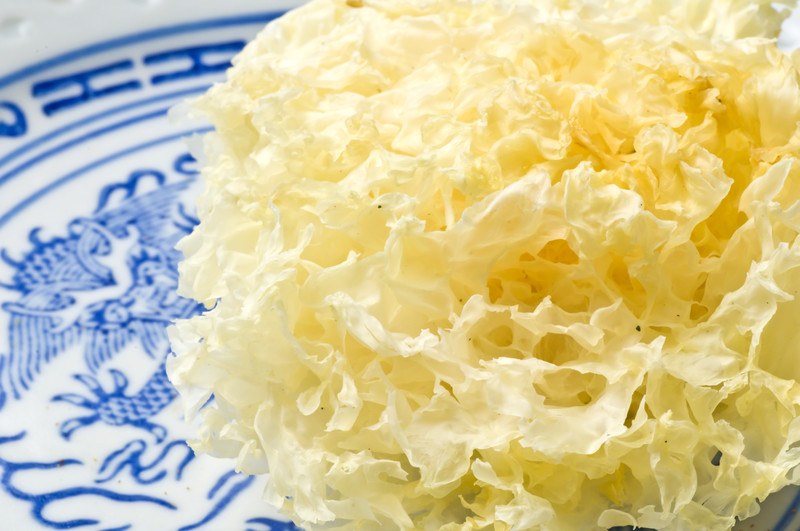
[145, 471]
[18, 125]
[88, 90]
[39, 502]
[196, 56]
[222, 496]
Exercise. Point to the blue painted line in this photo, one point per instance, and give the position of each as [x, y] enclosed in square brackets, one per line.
[16, 128]
[273, 525]
[3, 393]
[196, 55]
[88, 91]
[221, 504]
[80, 140]
[13, 438]
[134, 38]
[25, 203]
[220, 483]
[55, 133]
[790, 514]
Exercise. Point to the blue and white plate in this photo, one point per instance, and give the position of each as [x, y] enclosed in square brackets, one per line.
[96, 187]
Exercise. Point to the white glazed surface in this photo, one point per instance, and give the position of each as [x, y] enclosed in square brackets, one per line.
[106, 181]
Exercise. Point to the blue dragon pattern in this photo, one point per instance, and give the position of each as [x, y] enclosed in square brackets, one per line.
[107, 285]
